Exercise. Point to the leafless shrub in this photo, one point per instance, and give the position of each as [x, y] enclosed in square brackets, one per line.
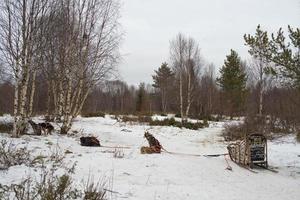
[93, 114]
[6, 127]
[56, 187]
[249, 126]
[48, 187]
[137, 119]
[96, 191]
[233, 132]
[57, 157]
[254, 124]
[298, 136]
[11, 155]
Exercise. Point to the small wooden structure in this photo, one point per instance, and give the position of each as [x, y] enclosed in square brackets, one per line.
[250, 151]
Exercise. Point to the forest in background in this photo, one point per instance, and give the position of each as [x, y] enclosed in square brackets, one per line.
[71, 69]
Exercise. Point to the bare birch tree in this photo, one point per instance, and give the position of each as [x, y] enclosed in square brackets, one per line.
[259, 77]
[83, 50]
[18, 29]
[186, 63]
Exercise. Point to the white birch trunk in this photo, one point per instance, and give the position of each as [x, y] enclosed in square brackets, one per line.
[261, 88]
[67, 115]
[32, 94]
[164, 101]
[48, 114]
[181, 99]
[189, 96]
[15, 132]
[82, 102]
[76, 104]
[60, 102]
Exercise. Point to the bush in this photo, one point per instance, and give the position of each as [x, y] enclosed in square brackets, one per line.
[140, 119]
[49, 187]
[95, 191]
[6, 127]
[165, 122]
[298, 136]
[195, 126]
[178, 115]
[144, 119]
[173, 122]
[94, 114]
[52, 186]
[251, 125]
[233, 132]
[210, 118]
[10, 155]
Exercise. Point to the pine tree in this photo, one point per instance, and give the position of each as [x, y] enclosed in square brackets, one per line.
[285, 54]
[163, 81]
[233, 83]
[141, 98]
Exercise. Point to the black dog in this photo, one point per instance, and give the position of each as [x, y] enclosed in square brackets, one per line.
[46, 127]
[37, 129]
[89, 142]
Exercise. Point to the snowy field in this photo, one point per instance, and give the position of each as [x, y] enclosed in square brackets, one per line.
[167, 176]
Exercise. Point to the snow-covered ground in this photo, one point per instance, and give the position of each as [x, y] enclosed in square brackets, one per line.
[168, 176]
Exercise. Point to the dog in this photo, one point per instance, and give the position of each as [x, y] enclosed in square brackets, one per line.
[90, 141]
[150, 150]
[154, 145]
[37, 129]
[46, 127]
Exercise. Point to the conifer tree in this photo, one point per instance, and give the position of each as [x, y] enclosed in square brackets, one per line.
[233, 83]
[284, 53]
[163, 81]
[141, 98]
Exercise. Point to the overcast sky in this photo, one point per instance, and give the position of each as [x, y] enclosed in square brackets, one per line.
[217, 25]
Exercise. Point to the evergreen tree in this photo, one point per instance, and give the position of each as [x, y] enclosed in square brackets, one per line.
[163, 81]
[285, 54]
[141, 101]
[233, 83]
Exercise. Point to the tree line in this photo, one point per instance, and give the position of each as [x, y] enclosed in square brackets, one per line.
[58, 59]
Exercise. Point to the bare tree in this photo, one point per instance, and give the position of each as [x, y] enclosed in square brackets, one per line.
[186, 63]
[18, 30]
[207, 93]
[83, 50]
[259, 77]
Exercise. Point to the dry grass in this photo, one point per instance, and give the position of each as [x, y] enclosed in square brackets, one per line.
[11, 155]
[254, 125]
[96, 191]
[6, 127]
[53, 186]
[94, 114]
[48, 187]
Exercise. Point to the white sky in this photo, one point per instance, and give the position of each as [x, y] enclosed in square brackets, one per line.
[218, 26]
